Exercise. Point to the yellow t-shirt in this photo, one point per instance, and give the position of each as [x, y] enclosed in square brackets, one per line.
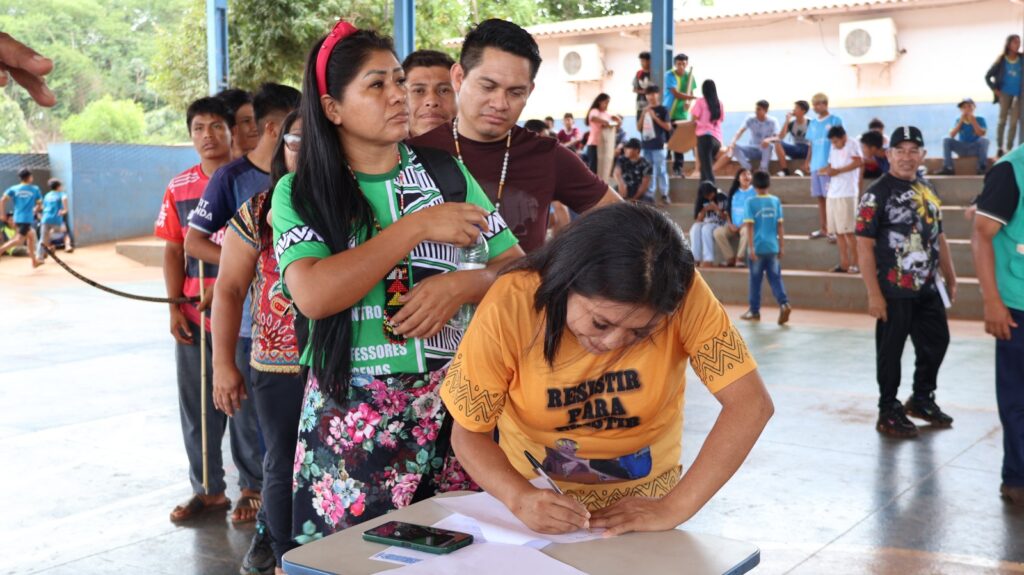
[603, 426]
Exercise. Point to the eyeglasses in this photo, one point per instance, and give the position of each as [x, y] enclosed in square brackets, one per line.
[292, 141]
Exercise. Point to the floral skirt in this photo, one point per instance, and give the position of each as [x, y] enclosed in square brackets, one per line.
[359, 459]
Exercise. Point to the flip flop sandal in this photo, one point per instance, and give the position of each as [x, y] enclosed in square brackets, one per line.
[244, 503]
[196, 507]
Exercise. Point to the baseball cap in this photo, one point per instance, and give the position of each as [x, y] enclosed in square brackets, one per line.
[906, 134]
[965, 101]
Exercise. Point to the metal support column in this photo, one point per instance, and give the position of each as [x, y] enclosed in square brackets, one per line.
[405, 27]
[217, 44]
[662, 39]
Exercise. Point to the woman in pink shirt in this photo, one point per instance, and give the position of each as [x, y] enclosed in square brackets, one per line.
[708, 113]
[597, 118]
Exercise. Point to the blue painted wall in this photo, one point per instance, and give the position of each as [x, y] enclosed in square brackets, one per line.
[934, 120]
[116, 190]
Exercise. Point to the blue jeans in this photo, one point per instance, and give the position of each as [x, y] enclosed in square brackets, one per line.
[745, 155]
[659, 177]
[1010, 397]
[977, 148]
[766, 264]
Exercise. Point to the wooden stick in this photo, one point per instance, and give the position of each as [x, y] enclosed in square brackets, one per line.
[202, 373]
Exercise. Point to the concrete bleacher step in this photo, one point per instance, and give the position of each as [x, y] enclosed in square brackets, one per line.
[952, 190]
[961, 166]
[148, 252]
[802, 253]
[823, 291]
[802, 219]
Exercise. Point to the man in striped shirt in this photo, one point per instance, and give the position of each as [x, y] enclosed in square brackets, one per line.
[210, 127]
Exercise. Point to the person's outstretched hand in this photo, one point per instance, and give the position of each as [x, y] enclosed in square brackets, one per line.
[22, 63]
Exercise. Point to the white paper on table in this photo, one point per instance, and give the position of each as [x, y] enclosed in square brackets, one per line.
[499, 525]
[401, 555]
[490, 558]
[463, 524]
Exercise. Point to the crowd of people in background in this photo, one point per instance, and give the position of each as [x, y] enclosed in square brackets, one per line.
[327, 231]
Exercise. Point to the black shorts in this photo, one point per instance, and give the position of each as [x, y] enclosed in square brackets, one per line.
[23, 229]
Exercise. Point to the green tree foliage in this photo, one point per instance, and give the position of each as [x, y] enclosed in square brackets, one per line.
[14, 134]
[107, 120]
[557, 10]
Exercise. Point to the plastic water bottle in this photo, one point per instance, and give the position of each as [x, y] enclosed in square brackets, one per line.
[473, 257]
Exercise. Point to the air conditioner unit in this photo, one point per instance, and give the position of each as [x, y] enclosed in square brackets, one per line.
[581, 63]
[868, 42]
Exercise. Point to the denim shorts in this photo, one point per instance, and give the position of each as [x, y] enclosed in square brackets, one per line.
[819, 185]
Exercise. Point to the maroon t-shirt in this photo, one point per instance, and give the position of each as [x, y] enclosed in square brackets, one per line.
[540, 170]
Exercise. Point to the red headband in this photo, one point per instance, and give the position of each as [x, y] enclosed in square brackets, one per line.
[341, 30]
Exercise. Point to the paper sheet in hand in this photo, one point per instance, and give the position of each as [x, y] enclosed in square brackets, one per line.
[490, 558]
[499, 525]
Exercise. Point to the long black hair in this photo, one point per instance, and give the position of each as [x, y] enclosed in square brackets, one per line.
[327, 197]
[278, 169]
[625, 253]
[602, 97]
[705, 187]
[710, 92]
[735, 187]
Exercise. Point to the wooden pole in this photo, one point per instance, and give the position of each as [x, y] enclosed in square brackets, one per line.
[202, 373]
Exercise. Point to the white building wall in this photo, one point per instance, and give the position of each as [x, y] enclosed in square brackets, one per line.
[948, 50]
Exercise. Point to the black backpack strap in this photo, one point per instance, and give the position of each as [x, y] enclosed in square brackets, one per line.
[444, 169]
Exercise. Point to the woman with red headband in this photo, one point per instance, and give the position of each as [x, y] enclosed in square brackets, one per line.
[369, 248]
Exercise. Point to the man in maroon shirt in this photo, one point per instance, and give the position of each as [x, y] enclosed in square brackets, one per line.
[520, 172]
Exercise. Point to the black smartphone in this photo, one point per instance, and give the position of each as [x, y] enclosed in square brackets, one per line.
[418, 537]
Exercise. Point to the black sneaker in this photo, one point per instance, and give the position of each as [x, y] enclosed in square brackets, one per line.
[946, 172]
[926, 409]
[894, 423]
[259, 559]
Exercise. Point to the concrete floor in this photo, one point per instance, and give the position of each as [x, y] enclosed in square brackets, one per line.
[92, 459]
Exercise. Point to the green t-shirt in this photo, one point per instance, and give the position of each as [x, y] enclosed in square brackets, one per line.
[372, 353]
[686, 84]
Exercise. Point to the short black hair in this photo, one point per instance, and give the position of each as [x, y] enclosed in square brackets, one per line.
[876, 124]
[803, 105]
[427, 59]
[24, 174]
[836, 132]
[633, 143]
[645, 55]
[761, 180]
[681, 56]
[548, 118]
[212, 106]
[504, 36]
[535, 126]
[762, 104]
[54, 183]
[873, 139]
[652, 89]
[234, 99]
[568, 115]
[275, 99]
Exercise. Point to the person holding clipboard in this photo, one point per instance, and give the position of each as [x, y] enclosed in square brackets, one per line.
[578, 355]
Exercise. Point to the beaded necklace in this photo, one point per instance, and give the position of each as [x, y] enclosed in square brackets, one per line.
[398, 281]
[504, 163]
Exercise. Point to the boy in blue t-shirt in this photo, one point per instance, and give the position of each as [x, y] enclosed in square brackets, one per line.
[26, 198]
[55, 207]
[967, 138]
[817, 157]
[764, 218]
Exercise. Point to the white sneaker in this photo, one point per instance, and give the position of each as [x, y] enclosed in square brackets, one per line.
[798, 173]
[780, 174]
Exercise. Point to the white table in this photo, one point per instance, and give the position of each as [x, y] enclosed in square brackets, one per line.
[675, 551]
